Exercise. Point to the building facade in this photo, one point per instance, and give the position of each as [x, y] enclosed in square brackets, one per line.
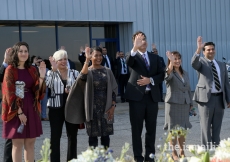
[171, 24]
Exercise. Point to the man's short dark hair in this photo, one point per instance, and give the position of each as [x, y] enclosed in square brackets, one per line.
[138, 32]
[208, 44]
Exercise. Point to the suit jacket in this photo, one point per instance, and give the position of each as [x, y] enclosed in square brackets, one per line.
[71, 64]
[138, 68]
[81, 58]
[118, 64]
[178, 92]
[205, 79]
[111, 63]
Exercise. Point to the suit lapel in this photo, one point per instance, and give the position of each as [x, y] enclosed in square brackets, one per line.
[178, 76]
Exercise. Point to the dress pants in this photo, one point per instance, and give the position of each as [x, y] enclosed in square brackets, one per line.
[44, 105]
[140, 111]
[57, 119]
[211, 116]
[123, 80]
[105, 141]
[8, 151]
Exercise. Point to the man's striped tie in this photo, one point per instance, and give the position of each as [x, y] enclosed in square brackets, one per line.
[215, 77]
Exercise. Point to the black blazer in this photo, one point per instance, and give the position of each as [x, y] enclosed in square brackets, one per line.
[136, 63]
[118, 65]
[82, 58]
[111, 63]
[71, 64]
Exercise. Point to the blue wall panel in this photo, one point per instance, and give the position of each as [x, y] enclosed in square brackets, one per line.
[170, 24]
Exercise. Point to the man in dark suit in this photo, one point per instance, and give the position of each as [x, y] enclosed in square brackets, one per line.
[107, 61]
[155, 51]
[143, 94]
[7, 157]
[122, 73]
[212, 92]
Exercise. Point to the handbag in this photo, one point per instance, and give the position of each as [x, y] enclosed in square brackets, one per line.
[81, 126]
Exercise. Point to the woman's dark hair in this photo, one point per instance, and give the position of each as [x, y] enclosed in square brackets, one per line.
[96, 48]
[14, 61]
[176, 53]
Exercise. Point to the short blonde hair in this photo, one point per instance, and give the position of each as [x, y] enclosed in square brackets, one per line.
[60, 54]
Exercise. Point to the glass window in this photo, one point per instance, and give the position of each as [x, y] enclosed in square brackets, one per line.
[8, 37]
[41, 40]
[98, 32]
[72, 38]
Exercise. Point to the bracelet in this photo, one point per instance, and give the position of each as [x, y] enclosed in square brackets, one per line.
[20, 113]
[42, 78]
[86, 63]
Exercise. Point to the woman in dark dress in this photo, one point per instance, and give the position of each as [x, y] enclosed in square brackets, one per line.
[99, 114]
[25, 110]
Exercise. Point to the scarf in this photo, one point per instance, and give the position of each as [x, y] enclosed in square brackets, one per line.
[10, 102]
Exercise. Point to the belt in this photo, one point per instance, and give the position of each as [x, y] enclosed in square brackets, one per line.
[216, 94]
[147, 92]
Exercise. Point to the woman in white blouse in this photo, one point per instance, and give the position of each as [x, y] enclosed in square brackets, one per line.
[59, 80]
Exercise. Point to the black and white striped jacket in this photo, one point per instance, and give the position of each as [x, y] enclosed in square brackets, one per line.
[53, 80]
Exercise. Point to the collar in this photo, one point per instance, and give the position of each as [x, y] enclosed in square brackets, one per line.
[142, 52]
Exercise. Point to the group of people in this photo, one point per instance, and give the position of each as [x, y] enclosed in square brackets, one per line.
[89, 97]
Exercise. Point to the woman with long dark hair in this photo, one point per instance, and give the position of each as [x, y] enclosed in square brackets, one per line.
[22, 90]
[178, 99]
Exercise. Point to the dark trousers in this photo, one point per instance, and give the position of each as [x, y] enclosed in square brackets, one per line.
[7, 157]
[140, 111]
[123, 80]
[57, 119]
[161, 90]
[105, 141]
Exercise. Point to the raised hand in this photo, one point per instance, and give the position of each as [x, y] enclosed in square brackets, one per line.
[53, 63]
[170, 56]
[86, 45]
[154, 46]
[117, 54]
[88, 54]
[200, 44]
[138, 41]
[7, 55]
[81, 49]
[100, 46]
[42, 69]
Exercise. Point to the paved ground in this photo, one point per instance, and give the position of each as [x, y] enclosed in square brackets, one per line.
[123, 133]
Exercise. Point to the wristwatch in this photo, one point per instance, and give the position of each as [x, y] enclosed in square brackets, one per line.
[114, 105]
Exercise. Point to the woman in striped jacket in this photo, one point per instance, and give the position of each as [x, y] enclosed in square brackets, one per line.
[59, 80]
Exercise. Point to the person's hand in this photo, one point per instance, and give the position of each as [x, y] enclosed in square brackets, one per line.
[22, 117]
[200, 44]
[101, 46]
[143, 81]
[117, 54]
[228, 105]
[86, 45]
[154, 46]
[110, 113]
[88, 54]
[170, 56]
[7, 55]
[138, 41]
[42, 69]
[53, 63]
[81, 49]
